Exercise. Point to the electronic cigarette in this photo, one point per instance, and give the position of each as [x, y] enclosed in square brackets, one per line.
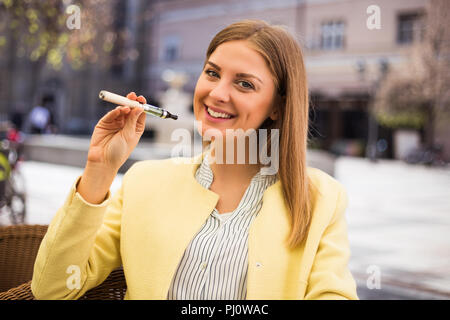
[148, 108]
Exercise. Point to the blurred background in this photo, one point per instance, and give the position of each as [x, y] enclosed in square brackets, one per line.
[379, 80]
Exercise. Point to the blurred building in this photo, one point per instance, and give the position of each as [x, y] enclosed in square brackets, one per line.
[345, 61]
[344, 58]
[74, 92]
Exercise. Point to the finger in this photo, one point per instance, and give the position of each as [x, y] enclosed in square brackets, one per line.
[124, 109]
[132, 96]
[124, 114]
[140, 125]
[111, 115]
[116, 114]
[132, 119]
[141, 99]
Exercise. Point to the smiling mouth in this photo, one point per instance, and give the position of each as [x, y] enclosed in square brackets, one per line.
[217, 115]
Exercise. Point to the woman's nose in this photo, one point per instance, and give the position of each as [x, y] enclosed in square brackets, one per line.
[221, 92]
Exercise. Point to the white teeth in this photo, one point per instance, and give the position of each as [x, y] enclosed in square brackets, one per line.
[218, 114]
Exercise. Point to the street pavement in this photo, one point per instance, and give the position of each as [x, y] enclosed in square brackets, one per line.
[398, 222]
[399, 227]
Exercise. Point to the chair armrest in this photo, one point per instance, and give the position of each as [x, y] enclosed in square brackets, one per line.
[113, 288]
[22, 292]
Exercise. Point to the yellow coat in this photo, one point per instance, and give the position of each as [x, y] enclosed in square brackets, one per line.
[148, 223]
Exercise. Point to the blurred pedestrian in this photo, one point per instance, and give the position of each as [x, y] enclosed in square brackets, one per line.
[41, 119]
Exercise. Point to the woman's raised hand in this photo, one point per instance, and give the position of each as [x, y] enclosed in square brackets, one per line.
[117, 134]
[114, 138]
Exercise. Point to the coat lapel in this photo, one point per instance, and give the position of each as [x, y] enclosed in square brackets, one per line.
[274, 269]
[196, 204]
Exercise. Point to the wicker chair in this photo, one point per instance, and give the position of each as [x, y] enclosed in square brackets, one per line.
[18, 249]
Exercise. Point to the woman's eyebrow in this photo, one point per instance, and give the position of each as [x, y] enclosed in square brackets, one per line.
[214, 65]
[245, 75]
[248, 75]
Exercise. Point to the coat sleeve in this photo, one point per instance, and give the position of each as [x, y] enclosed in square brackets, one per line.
[80, 248]
[330, 277]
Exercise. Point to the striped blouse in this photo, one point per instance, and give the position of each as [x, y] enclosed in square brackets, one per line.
[214, 265]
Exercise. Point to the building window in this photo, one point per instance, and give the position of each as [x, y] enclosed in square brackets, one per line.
[332, 35]
[409, 27]
[171, 48]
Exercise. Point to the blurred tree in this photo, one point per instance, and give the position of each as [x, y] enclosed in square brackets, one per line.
[39, 33]
[417, 96]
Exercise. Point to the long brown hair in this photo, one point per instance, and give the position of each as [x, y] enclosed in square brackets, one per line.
[284, 58]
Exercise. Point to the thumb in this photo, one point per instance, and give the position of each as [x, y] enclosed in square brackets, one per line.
[130, 125]
[140, 124]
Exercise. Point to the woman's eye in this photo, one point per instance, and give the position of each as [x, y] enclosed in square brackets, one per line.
[246, 85]
[242, 83]
[211, 73]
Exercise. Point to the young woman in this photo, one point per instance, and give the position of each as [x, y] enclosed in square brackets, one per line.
[209, 229]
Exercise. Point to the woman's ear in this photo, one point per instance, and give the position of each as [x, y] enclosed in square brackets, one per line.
[274, 114]
[280, 101]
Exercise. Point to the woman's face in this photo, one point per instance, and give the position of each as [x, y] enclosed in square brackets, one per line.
[235, 81]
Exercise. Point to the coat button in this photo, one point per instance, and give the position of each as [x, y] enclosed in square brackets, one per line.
[258, 264]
